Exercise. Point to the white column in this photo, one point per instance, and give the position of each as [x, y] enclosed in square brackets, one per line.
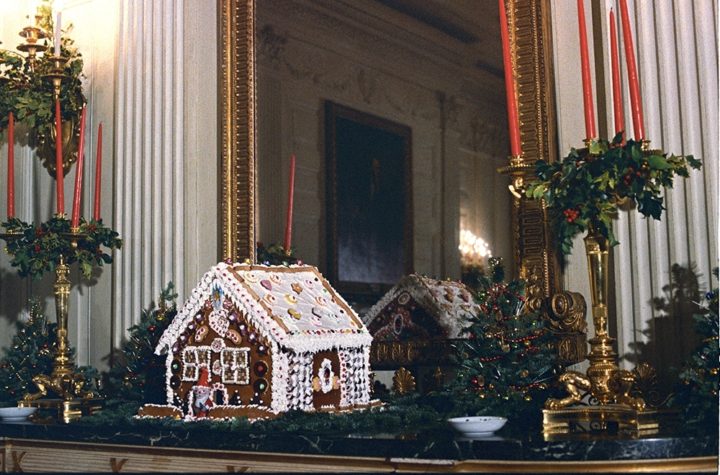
[149, 174]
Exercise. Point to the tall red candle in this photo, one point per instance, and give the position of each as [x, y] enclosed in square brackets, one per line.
[58, 160]
[98, 174]
[291, 192]
[512, 111]
[11, 168]
[617, 89]
[75, 222]
[589, 107]
[635, 100]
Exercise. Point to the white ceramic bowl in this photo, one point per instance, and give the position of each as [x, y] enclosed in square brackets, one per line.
[16, 414]
[477, 426]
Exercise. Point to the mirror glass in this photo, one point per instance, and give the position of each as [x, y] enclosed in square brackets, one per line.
[423, 81]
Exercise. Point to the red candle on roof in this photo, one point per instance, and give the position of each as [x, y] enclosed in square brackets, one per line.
[291, 192]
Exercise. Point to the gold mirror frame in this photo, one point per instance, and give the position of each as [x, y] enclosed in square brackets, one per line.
[532, 60]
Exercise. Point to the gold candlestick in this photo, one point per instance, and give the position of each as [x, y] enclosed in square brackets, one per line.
[618, 407]
[73, 399]
[32, 35]
[57, 75]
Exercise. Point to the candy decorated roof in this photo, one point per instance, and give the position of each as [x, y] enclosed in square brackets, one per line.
[450, 303]
[293, 306]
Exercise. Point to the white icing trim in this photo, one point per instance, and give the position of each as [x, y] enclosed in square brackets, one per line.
[258, 317]
[240, 359]
[326, 384]
[420, 289]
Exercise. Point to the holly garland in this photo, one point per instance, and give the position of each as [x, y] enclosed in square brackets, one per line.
[697, 394]
[585, 188]
[36, 250]
[507, 361]
[275, 255]
[137, 373]
[31, 353]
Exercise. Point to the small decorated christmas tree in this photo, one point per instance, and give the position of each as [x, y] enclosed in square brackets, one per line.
[31, 353]
[137, 373]
[507, 361]
[698, 393]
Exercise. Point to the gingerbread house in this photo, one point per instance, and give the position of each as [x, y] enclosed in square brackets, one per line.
[419, 307]
[259, 340]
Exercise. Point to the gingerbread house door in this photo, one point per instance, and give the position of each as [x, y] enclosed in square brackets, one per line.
[326, 380]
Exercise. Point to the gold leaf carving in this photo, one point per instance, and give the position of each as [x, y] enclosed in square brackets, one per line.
[403, 382]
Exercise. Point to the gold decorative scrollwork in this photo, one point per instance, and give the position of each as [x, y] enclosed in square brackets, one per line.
[237, 120]
[403, 382]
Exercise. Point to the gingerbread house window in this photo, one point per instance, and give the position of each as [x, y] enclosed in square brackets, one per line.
[235, 366]
[193, 358]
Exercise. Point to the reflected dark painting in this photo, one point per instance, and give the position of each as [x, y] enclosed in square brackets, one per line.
[369, 200]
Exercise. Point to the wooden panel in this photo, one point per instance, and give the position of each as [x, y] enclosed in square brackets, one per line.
[47, 456]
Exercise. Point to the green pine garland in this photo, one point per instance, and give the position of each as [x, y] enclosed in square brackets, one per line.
[276, 255]
[507, 364]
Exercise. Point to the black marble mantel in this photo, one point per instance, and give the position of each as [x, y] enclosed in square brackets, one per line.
[438, 444]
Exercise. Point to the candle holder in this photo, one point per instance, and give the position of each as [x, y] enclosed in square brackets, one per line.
[518, 170]
[57, 74]
[36, 249]
[72, 399]
[605, 398]
[32, 35]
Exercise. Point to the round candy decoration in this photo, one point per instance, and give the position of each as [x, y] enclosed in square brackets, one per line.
[260, 385]
[294, 313]
[261, 368]
[297, 288]
[262, 350]
[234, 336]
[266, 284]
[276, 278]
[175, 382]
[291, 299]
[175, 366]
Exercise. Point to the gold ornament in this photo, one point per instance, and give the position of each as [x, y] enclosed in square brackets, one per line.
[524, 373]
[505, 347]
[528, 398]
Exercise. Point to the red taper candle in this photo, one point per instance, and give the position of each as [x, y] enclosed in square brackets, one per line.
[512, 111]
[616, 87]
[588, 104]
[11, 168]
[98, 174]
[59, 160]
[635, 100]
[291, 192]
[75, 221]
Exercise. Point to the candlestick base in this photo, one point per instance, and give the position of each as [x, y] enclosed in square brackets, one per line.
[518, 169]
[64, 410]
